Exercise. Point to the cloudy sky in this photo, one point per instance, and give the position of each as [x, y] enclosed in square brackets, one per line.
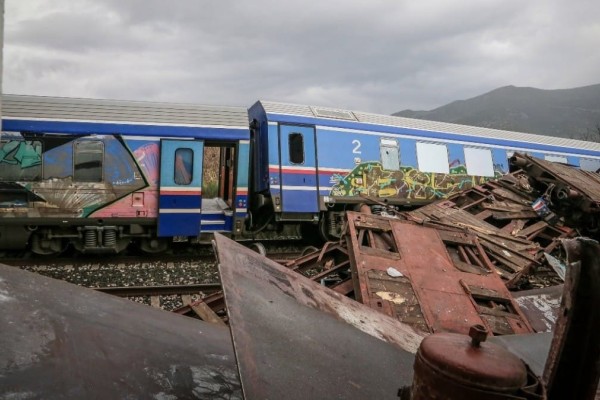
[378, 55]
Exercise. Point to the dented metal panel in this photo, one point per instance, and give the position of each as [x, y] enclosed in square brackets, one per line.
[405, 271]
[296, 339]
[62, 341]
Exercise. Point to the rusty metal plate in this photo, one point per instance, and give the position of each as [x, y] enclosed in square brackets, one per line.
[295, 339]
[449, 299]
[59, 340]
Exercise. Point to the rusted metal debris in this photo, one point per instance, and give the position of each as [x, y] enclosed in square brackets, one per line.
[434, 279]
[570, 189]
[59, 340]
[296, 339]
[573, 366]
[454, 366]
[501, 215]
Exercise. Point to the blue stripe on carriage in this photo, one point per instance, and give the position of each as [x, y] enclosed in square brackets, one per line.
[424, 134]
[85, 128]
[179, 201]
[179, 224]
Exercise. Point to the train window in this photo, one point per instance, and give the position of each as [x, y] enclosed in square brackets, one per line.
[20, 160]
[555, 158]
[184, 166]
[390, 155]
[296, 144]
[589, 164]
[479, 162]
[432, 157]
[88, 159]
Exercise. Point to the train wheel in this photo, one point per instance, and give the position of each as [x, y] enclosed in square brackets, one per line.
[153, 245]
[47, 247]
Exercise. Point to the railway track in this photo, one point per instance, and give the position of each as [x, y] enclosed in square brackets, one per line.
[168, 281]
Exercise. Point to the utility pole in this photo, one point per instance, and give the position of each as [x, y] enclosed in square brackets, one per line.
[1, 57]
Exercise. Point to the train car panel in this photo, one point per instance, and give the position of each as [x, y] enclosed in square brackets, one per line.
[274, 164]
[240, 203]
[298, 170]
[180, 192]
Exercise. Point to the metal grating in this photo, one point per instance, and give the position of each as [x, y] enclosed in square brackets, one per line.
[333, 113]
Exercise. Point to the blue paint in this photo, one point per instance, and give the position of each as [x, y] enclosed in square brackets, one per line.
[58, 162]
[118, 163]
[167, 201]
[456, 155]
[423, 134]
[87, 128]
[170, 224]
[298, 201]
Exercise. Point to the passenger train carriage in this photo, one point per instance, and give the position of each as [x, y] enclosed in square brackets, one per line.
[101, 174]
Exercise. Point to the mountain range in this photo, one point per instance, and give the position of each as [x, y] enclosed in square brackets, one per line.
[570, 113]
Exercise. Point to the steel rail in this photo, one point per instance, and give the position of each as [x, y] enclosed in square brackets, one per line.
[161, 290]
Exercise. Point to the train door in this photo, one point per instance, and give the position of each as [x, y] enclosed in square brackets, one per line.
[299, 191]
[180, 191]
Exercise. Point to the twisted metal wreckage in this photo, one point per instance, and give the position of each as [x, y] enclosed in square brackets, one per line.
[435, 313]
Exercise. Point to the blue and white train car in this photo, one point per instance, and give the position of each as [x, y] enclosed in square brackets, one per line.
[99, 174]
[317, 161]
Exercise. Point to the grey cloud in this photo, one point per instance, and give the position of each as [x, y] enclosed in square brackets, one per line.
[378, 56]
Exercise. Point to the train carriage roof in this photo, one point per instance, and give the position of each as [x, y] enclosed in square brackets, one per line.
[84, 116]
[358, 120]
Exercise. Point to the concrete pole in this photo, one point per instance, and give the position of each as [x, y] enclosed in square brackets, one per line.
[1, 55]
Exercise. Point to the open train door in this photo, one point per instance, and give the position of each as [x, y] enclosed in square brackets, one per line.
[299, 184]
[180, 192]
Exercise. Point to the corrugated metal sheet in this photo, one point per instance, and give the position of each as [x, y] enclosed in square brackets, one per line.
[442, 127]
[77, 109]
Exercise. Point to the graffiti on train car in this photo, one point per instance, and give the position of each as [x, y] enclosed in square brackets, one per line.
[62, 176]
[371, 179]
[20, 160]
